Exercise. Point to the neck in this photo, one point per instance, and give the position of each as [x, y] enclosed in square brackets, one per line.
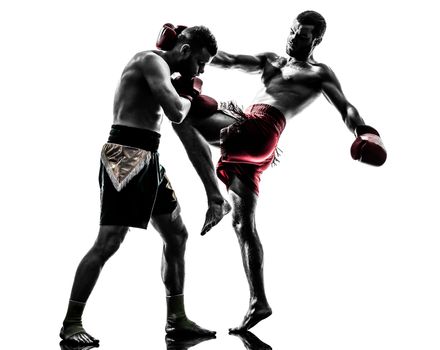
[299, 59]
[170, 59]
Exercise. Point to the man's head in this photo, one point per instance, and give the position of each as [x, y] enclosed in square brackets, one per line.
[306, 32]
[195, 47]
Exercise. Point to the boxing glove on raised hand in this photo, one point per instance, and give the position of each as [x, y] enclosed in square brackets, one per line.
[188, 88]
[168, 36]
[368, 146]
[203, 106]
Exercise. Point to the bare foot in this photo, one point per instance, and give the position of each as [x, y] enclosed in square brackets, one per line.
[76, 335]
[252, 342]
[214, 214]
[184, 327]
[255, 314]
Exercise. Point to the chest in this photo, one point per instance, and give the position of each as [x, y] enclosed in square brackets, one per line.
[300, 74]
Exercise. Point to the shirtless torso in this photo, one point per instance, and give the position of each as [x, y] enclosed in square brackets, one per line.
[145, 93]
[289, 85]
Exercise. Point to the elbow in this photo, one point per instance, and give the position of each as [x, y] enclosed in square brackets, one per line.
[177, 112]
[179, 120]
[177, 117]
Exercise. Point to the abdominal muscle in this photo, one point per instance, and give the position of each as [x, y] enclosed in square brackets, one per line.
[289, 104]
[143, 120]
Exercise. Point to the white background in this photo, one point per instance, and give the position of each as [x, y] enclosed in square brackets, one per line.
[351, 251]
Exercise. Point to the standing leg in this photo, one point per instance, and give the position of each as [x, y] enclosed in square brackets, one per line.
[244, 203]
[87, 273]
[174, 235]
[195, 135]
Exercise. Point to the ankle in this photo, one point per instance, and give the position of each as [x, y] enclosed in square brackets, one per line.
[216, 200]
[259, 302]
[175, 307]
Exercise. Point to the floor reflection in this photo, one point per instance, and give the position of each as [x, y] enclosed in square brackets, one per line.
[180, 343]
[251, 341]
[71, 346]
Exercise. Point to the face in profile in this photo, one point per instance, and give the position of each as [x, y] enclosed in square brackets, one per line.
[194, 64]
[301, 40]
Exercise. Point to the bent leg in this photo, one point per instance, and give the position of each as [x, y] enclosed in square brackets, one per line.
[244, 203]
[175, 235]
[87, 273]
[195, 134]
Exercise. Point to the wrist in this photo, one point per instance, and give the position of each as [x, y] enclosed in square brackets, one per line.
[365, 129]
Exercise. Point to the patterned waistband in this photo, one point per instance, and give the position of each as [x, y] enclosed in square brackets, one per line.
[134, 137]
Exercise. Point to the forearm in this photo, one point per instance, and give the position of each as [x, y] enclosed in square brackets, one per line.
[186, 106]
[246, 63]
[222, 60]
[352, 118]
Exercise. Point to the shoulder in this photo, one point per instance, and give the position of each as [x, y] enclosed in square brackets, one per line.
[147, 60]
[325, 72]
[149, 57]
[273, 59]
[268, 56]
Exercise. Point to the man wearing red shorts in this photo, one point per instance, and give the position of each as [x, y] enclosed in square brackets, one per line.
[134, 187]
[248, 140]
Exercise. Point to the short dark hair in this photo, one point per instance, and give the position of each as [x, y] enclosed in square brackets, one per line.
[315, 19]
[199, 37]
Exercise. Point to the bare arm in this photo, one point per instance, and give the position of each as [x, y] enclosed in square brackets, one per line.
[331, 88]
[157, 74]
[246, 63]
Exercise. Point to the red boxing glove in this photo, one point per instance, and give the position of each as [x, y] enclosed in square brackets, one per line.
[368, 146]
[203, 106]
[168, 36]
[188, 88]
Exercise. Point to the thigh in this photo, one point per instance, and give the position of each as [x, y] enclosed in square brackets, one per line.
[133, 204]
[166, 217]
[209, 127]
[166, 201]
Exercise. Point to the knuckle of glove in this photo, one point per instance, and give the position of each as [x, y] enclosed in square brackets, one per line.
[356, 148]
[368, 147]
[204, 106]
[369, 152]
[197, 85]
[188, 87]
[167, 37]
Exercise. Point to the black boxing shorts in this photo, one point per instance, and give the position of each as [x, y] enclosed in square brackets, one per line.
[133, 184]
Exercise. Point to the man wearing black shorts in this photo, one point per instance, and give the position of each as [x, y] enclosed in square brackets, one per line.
[134, 186]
